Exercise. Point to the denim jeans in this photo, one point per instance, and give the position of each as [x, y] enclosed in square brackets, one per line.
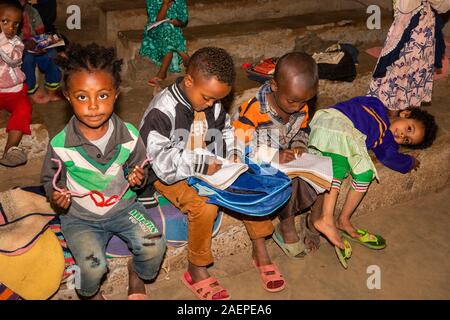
[46, 66]
[87, 241]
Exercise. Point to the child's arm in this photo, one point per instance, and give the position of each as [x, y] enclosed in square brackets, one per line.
[137, 177]
[388, 155]
[11, 51]
[49, 169]
[170, 163]
[181, 19]
[246, 125]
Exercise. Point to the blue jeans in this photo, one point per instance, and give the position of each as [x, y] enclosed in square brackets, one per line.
[87, 241]
[46, 65]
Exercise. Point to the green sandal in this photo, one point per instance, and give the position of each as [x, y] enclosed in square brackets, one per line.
[344, 254]
[371, 241]
[293, 250]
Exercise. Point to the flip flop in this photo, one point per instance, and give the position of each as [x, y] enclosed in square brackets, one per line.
[344, 254]
[153, 82]
[270, 273]
[293, 250]
[369, 240]
[207, 291]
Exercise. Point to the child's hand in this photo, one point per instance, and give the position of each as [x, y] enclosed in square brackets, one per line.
[416, 164]
[299, 151]
[214, 165]
[30, 45]
[284, 156]
[167, 3]
[235, 158]
[61, 199]
[136, 177]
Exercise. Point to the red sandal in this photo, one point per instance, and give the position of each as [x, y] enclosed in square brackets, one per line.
[153, 82]
[203, 289]
[270, 273]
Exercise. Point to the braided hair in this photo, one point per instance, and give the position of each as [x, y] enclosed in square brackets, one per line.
[91, 57]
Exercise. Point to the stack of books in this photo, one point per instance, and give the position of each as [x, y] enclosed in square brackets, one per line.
[314, 169]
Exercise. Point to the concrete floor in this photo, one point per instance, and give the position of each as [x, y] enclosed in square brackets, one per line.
[414, 265]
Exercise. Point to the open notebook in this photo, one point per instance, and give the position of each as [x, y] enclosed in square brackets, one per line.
[314, 169]
[157, 23]
[225, 177]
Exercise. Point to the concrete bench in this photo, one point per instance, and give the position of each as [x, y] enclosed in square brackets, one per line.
[118, 15]
[266, 37]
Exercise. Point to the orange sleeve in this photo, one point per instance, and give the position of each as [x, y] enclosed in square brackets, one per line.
[248, 120]
[305, 109]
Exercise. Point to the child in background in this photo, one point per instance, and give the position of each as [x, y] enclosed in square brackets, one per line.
[403, 76]
[191, 107]
[165, 44]
[100, 152]
[13, 91]
[280, 111]
[32, 26]
[345, 132]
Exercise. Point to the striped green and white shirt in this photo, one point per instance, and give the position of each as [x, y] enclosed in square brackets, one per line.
[87, 168]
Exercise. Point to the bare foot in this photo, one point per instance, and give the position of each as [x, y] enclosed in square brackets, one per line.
[328, 228]
[54, 95]
[39, 99]
[135, 284]
[346, 226]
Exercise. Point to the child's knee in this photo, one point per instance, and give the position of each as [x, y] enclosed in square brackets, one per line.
[361, 182]
[203, 213]
[150, 247]
[148, 257]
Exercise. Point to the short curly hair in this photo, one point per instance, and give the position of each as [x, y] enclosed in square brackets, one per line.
[297, 64]
[213, 62]
[91, 57]
[428, 122]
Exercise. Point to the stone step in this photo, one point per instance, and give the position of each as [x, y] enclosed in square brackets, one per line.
[116, 15]
[251, 39]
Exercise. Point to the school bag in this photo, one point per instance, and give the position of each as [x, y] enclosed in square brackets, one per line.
[337, 62]
[259, 191]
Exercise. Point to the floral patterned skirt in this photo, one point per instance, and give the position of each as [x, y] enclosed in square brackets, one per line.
[407, 66]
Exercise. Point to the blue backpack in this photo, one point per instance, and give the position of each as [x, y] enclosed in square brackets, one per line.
[259, 191]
